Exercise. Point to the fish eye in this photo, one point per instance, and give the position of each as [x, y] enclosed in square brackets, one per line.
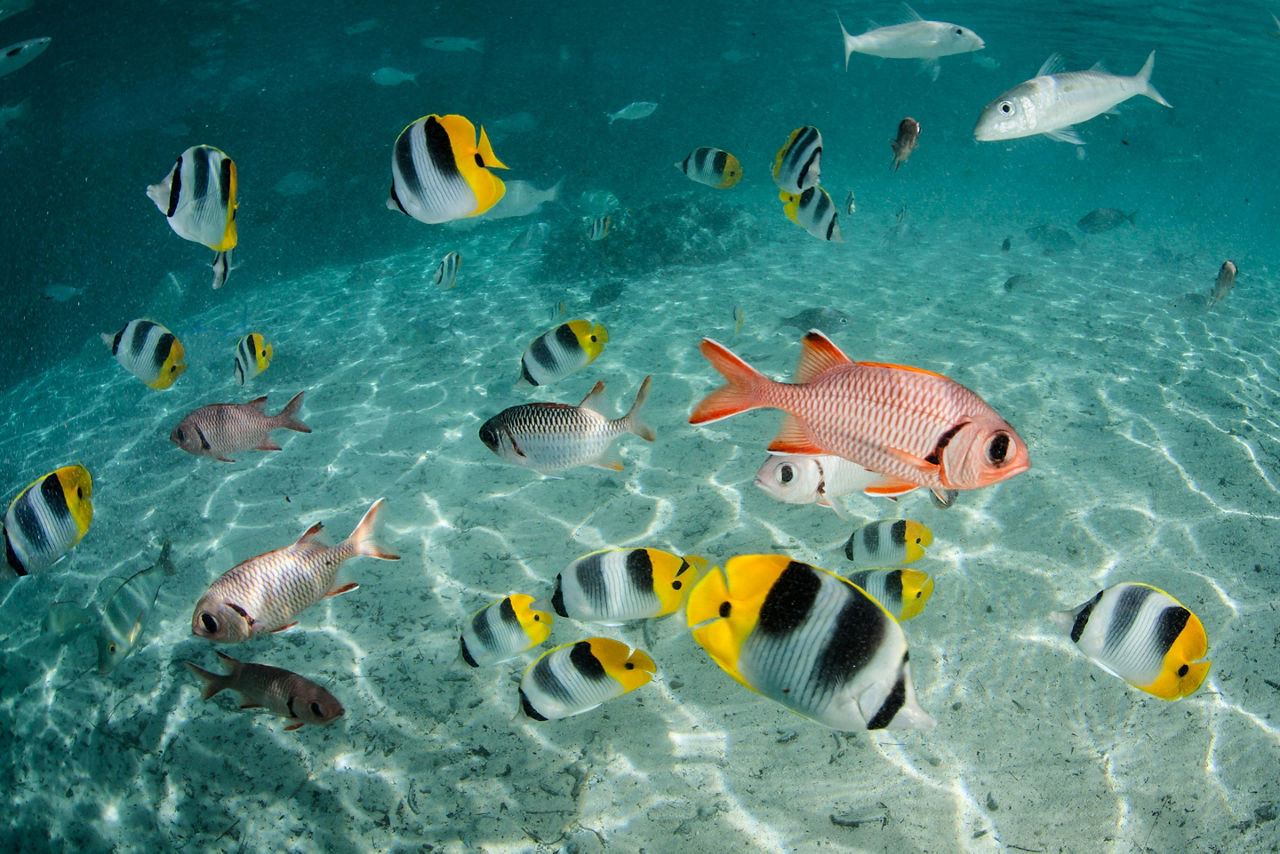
[786, 473]
[111, 647]
[1182, 671]
[488, 436]
[998, 448]
[316, 710]
[959, 31]
[919, 593]
[182, 437]
[629, 666]
[209, 623]
[79, 492]
[1006, 107]
[675, 585]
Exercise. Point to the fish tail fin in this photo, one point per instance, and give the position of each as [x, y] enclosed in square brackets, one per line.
[632, 418]
[848, 41]
[361, 538]
[165, 561]
[213, 682]
[288, 417]
[1144, 76]
[740, 393]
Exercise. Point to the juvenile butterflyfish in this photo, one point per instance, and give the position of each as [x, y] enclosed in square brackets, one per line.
[902, 592]
[550, 437]
[446, 274]
[554, 355]
[440, 173]
[221, 429]
[577, 677]
[814, 211]
[816, 479]
[888, 542]
[502, 630]
[281, 692]
[1144, 636]
[598, 228]
[150, 352]
[125, 612]
[712, 167]
[46, 519]
[799, 162]
[253, 354]
[268, 592]
[613, 586]
[198, 197]
[913, 426]
[807, 639]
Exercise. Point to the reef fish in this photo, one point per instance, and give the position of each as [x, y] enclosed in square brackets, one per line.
[807, 639]
[150, 352]
[19, 54]
[554, 355]
[502, 630]
[124, 614]
[888, 542]
[266, 593]
[798, 164]
[613, 586]
[281, 692]
[47, 518]
[1053, 102]
[902, 592]
[440, 173]
[253, 354]
[815, 479]
[577, 677]
[712, 167]
[221, 429]
[446, 274]
[548, 437]
[906, 141]
[913, 426]
[199, 201]
[1144, 636]
[1104, 219]
[814, 211]
[1225, 282]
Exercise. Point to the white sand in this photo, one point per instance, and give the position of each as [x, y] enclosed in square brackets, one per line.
[1154, 442]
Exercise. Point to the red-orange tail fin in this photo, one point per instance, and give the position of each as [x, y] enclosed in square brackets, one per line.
[740, 393]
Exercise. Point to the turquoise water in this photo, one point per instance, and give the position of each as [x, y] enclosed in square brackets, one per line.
[1150, 418]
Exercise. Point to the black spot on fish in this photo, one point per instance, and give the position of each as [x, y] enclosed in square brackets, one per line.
[51, 491]
[163, 348]
[720, 162]
[209, 623]
[557, 599]
[507, 612]
[1183, 670]
[893, 585]
[590, 576]
[439, 149]
[586, 663]
[789, 600]
[289, 706]
[1169, 626]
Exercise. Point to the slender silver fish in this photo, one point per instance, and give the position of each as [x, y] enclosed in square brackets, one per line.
[281, 692]
[124, 615]
[266, 593]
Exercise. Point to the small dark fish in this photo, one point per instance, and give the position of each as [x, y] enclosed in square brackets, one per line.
[1006, 246]
[816, 318]
[1016, 281]
[1052, 238]
[908, 138]
[1226, 281]
[1104, 219]
[607, 293]
[281, 692]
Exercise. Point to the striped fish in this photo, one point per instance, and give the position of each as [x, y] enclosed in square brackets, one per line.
[799, 162]
[599, 228]
[198, 198]
[549, 437]
[813, 211]
[502, 630]
[124, 615]
[253, 354]
[150, 352]
[809, 640]
[915, 427]
[613, 586]
[577, 677]
[439, 172]
[556, 354]
[47, 518]
[446, 274]
[888, 542]
[266, 593]
[902, 592]
[281, 692]
[1144, 636]
[712, 166]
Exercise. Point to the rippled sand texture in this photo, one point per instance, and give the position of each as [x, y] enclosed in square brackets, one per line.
[1155, 446]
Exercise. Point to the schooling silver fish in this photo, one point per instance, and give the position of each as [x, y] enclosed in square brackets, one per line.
[281, 692]
[266, 593]
[124, 615]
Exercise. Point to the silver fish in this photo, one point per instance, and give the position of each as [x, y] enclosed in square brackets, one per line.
[124, 615]
[548, 437]
[634, 111]
[453, 44]
[266, 593]
[1104, 219]
[220, 429]
[915, 39]
[17, 55]
[815, 479]
[1052, 102]
[281, 692]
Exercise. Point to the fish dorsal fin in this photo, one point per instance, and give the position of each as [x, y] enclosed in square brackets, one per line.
[312, 533]
[593, 399]
[1098, 66]
[900, 368]
[1052, 65]
[258, 402]
[912, 14]
[818, 354]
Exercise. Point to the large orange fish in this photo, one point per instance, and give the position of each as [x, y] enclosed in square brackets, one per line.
[914, 427]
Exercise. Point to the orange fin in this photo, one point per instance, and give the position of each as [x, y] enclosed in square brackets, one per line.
[292, 727]
[793, 438]
[311, 533]
[282, 628]
[818, 354]
[338, 591]
[891, 487]
[900, 368]
[223, 460]
[740, 393]
[268, 446]
[919, 464]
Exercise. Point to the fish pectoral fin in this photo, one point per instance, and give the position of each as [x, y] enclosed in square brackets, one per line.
[891, 487]
[918, 463]
[251, 705]
[292, 727]
[793, 438]
[609, 460]
[1066, 134]
[223, 460]
[338, 591]
[286, 626]
[268, 446]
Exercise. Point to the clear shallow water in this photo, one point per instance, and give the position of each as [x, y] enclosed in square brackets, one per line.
[1151, 423]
